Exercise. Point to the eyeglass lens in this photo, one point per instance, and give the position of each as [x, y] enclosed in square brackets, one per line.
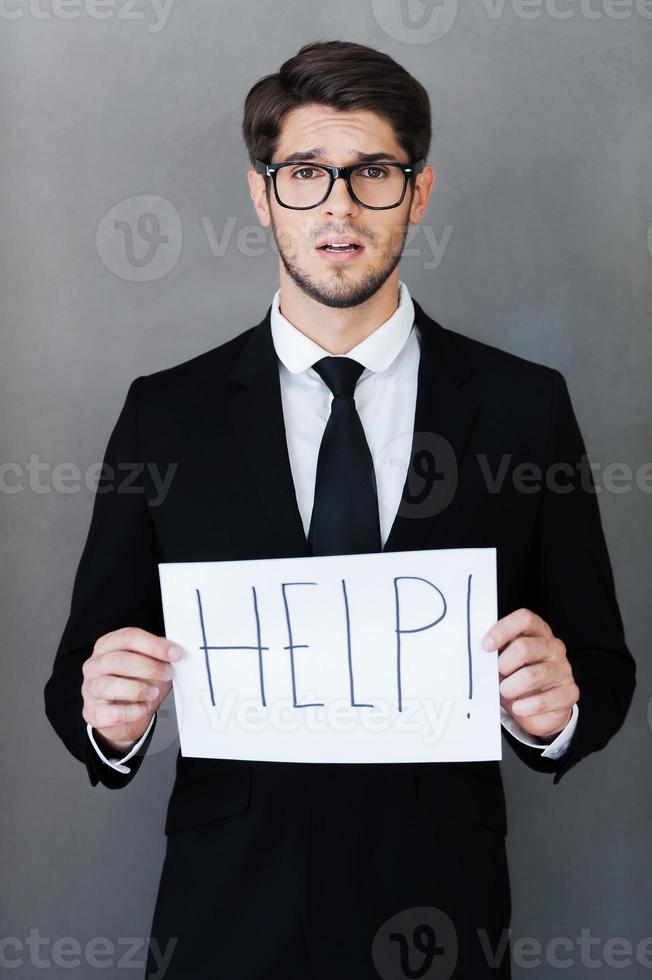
[373, 184]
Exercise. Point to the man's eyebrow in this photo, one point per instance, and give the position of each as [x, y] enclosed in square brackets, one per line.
[319, 153]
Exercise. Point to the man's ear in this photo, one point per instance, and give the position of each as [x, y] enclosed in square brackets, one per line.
[424, 183]
[258, 192]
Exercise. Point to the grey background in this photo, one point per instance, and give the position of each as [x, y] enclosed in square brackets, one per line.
[542, 149]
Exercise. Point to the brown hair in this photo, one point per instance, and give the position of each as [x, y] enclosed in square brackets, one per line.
[342, 75]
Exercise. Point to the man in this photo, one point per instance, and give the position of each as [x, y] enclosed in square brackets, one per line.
[279, 438]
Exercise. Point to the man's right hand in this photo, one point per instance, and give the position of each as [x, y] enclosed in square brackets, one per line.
[126, 679]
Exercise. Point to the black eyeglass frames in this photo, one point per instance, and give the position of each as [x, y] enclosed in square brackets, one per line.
[301, 185]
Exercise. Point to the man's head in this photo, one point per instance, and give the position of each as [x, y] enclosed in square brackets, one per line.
[332, 103]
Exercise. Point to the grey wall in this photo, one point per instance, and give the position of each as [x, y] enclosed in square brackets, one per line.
[542, 213]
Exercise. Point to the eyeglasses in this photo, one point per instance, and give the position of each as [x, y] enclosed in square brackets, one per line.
[302, 185]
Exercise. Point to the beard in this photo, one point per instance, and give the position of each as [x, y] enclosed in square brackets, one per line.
[340, 291]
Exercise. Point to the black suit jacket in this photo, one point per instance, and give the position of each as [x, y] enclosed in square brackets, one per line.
[289, 869]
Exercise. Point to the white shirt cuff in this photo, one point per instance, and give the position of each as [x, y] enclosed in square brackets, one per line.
[551, 750]
[119, 764]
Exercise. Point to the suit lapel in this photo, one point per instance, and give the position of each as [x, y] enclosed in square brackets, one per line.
[443, 418]
[256, 416]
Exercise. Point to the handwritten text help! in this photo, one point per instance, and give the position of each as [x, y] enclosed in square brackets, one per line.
[339, 658]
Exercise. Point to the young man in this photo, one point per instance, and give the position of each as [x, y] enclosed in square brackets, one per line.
[279, 437]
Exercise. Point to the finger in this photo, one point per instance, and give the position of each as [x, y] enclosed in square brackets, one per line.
[556, 699]
[528, 679]
[138, 641]
[523, 651]
[118, 714]
[124, 663]
[521, 621]
[110, 688]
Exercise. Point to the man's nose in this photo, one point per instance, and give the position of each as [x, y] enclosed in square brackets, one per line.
[339, 201]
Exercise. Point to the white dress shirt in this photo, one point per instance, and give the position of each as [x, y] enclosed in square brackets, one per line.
[385, 397]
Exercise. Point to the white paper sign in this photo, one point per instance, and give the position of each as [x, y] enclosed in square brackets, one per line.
[344, 658]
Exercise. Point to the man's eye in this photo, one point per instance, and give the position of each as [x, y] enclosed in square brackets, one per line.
[302, 171]
[373, 173]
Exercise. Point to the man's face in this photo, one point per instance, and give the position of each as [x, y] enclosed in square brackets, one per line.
[320, 134]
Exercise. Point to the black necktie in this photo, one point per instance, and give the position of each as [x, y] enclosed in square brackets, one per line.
[345, 510]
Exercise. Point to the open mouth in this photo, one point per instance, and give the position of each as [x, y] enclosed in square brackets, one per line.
[335, 248]
[340, 251]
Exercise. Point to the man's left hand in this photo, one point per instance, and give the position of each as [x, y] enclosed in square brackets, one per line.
[537, 687]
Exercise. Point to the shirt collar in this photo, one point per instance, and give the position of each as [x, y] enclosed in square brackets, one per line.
[376, 352]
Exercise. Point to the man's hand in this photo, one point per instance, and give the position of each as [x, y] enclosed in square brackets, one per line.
[538, 689]
[126, 679]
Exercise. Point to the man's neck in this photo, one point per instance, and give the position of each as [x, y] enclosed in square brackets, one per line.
[337, 330]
